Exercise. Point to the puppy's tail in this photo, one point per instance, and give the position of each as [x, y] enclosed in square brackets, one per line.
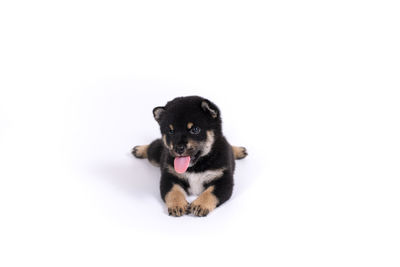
[151, 152]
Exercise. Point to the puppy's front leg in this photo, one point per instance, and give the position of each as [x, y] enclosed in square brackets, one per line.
[176, 201]
[216, 193]
[205, 203]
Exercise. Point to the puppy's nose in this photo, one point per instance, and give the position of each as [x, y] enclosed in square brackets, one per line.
[180, 149]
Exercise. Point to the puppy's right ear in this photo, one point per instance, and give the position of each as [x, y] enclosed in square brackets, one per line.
[157, 113]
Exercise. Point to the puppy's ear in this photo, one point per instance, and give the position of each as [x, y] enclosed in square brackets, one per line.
[157, 113]
[210, 108]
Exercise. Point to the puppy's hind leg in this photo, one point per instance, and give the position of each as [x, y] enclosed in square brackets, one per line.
[239, 152]
[151, 152]
[140, 152]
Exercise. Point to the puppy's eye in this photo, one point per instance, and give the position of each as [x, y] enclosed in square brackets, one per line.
[170, 131]
[195, 130]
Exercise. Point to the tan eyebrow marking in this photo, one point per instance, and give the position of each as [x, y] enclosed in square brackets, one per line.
[171, 127]
[190, 125]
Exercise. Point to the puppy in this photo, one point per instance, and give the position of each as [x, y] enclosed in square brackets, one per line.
[193, 155]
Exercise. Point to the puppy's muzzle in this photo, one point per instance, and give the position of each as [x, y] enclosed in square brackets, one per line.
[180, 149]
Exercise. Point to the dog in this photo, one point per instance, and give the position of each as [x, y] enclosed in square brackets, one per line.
[193, 155]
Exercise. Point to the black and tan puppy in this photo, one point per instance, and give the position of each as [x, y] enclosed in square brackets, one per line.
[193, 155]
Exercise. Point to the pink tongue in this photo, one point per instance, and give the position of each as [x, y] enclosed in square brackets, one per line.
[181, 164]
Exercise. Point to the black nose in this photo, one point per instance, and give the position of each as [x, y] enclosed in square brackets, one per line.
[180, 149]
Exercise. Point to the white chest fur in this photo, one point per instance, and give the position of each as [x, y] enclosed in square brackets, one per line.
[197, 180]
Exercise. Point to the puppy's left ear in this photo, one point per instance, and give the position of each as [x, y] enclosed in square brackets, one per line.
[210, 108]
[158, 112]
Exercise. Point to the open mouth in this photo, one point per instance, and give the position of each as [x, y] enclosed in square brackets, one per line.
[181, 164]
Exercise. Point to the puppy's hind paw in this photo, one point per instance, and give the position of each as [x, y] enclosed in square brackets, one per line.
[239, 152]
[140, 152]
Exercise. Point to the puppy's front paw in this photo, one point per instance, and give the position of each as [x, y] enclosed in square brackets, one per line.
[178, 210]
[199, 209]
[204, 204]
[140, 152]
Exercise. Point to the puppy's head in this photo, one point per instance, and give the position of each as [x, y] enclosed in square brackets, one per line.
[188, 126]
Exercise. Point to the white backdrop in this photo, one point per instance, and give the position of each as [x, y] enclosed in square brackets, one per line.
[311, 88]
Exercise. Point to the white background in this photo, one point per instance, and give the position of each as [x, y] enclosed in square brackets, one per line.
[311, 88]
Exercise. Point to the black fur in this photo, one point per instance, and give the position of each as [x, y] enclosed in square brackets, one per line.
[204, 115]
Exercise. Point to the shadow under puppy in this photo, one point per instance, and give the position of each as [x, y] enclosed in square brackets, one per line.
[193, 155]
